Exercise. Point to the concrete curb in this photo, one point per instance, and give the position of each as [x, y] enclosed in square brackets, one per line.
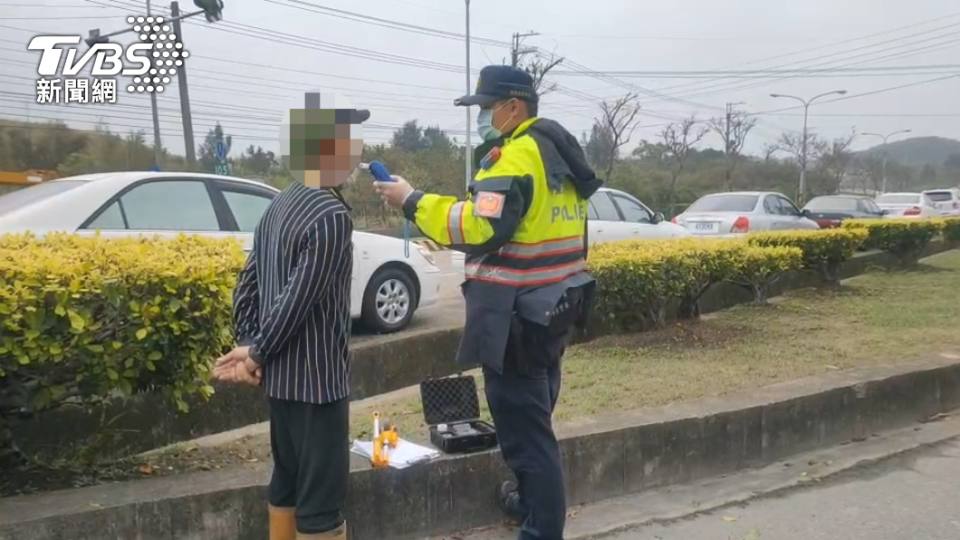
[380, 365]
[604, 458]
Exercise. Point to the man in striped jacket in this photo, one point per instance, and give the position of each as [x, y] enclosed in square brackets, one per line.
[292, 321]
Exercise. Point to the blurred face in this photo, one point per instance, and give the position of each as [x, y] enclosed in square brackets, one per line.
[321, 147]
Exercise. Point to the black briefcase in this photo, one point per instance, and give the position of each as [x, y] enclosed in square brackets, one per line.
[452, 410]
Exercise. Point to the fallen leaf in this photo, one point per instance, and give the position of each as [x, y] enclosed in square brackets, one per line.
[730, 519]
[145, 469]
[937, 417]
[752, 535]
[804, 473]
[812, 462]
[96, 505]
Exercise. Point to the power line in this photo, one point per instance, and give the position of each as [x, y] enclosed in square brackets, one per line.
[862, 94]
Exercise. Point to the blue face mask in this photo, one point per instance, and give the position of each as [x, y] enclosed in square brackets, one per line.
[485, 126]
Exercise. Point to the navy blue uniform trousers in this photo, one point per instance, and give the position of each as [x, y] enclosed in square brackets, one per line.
[521, 401]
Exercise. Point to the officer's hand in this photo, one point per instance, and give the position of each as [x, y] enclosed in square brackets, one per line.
[394, 193]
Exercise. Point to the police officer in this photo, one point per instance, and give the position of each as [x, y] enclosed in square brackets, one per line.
[523, 231]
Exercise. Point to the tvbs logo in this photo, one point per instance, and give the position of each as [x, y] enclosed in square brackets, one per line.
[152, 62]
[107, 57]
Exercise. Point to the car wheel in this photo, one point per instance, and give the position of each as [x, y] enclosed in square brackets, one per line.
[389, 301]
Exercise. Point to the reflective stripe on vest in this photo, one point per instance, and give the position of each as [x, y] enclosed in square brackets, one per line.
[521, 250]
[537, 276]
[455, 223]
[523, 264]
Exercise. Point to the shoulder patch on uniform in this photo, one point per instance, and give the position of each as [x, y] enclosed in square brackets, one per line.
[489, 204]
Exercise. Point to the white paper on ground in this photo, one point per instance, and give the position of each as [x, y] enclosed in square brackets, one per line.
[405, 454]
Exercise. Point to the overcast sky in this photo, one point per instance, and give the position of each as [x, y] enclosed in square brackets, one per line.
[245, 69]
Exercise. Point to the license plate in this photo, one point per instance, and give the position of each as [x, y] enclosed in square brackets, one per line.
[705, 227]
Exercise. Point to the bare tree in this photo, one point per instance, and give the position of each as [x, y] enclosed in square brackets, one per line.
[678, 139]
[619, 119]
[733, 129]
[837, 159]
[538, 67]
[769, 150]
[793, 144]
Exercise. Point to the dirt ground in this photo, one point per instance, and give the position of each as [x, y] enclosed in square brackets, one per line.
[878, 318]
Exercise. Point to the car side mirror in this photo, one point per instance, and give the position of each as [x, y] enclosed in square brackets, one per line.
[805, 213]
[658, 218]
[884, 212]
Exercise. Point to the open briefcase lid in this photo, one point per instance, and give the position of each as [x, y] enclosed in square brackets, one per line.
[450, 400]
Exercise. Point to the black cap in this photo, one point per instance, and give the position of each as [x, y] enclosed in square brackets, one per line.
[500, 82]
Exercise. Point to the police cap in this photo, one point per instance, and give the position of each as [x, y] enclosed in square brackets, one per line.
[500, 82]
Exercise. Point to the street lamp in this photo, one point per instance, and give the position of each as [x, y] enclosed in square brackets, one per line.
[883, 174]
[803, 151]
[468, 151]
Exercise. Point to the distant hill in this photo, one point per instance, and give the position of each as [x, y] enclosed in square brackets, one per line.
[919, 150]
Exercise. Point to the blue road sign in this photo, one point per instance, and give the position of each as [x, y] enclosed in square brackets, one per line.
[221, 150]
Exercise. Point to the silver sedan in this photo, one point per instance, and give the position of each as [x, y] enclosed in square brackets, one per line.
[740, 212]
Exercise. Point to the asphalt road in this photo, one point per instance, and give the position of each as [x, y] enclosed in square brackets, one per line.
[914, 497]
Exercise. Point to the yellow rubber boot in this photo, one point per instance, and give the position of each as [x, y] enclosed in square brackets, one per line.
[283, 523]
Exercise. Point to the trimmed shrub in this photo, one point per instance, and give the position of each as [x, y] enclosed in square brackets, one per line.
[757, 268]
[950, 228]
[905, 238]
[715, 262]
[637, 279]
[824, 251]
[86, 319]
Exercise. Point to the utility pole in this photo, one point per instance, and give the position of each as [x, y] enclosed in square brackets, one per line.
[212, 10]
[883, 167]
[802, 194]
[157, 145]
[468, 150]
[184, 93]
[516, 53]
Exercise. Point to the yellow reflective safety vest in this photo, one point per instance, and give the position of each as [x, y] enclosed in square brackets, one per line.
[548, 245]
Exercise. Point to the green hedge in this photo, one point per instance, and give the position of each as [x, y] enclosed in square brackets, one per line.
[86, 319]
[639, 279]
[904, 238]
[824, 251]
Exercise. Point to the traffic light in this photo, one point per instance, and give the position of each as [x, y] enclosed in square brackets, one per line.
[212, 9]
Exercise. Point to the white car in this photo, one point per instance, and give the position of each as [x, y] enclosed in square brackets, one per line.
[740, 212]
[907, 205]
[947, 201]
[387, 287]
[614, 215]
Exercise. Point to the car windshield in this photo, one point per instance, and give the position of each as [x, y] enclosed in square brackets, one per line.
[835, 204]
[939, 196]
[903, 198]
[16, 200]
[725, 203]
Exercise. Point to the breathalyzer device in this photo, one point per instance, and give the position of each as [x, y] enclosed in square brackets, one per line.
[381, 174]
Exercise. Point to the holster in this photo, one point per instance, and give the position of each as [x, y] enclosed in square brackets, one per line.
[585, 309]
[516, 345]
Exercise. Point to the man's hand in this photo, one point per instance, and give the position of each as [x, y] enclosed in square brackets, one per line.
[394, 193]
[237, 366]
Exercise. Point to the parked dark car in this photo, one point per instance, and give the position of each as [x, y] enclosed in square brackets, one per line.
[830, 210]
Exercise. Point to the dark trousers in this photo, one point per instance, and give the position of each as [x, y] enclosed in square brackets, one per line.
[311, 461]
[521, 401]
